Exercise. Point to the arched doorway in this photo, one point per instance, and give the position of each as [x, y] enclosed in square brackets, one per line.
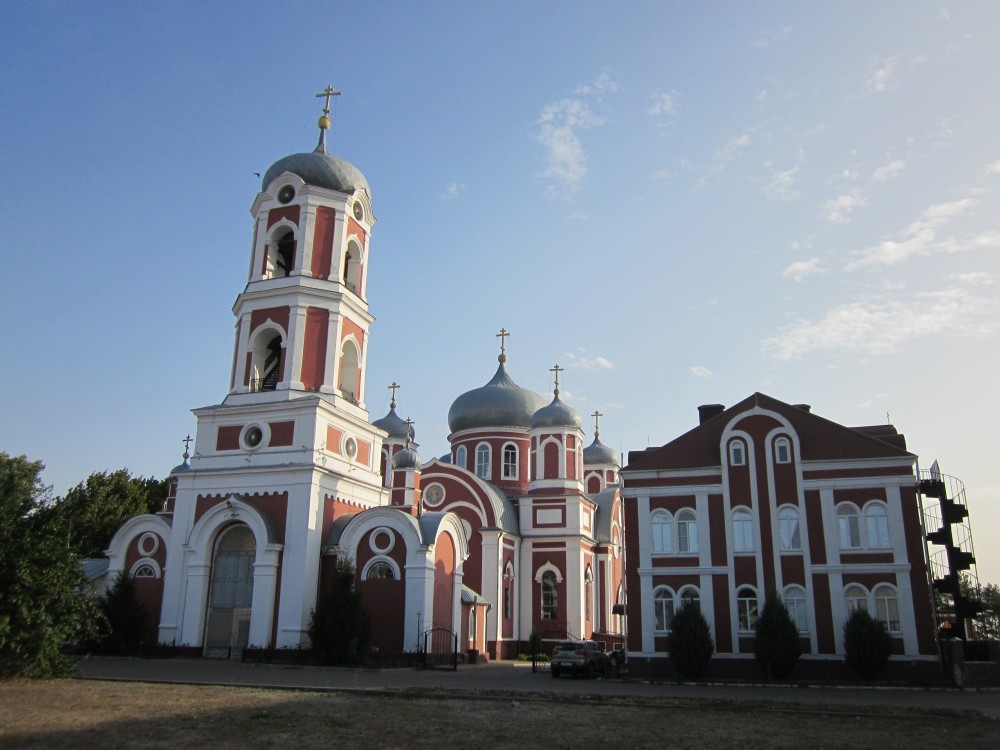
[230, 598]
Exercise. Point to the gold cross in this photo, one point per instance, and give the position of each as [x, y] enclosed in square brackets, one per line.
[394, 387]
[409, 430]
[504, 333]
[557, 369]
[597, 423]
[328, 92]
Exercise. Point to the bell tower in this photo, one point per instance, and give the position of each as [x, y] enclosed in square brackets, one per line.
[302, 322]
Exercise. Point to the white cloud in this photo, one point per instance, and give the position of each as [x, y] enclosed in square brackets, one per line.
[767, 38]
[838, 209]
[604, 84]
[803, 269]
[585, 363]
[887, 172]
[882, 327]
[872, 400]
[973, 278]
[993, 167]
[453, 191]
[781, 186]
[663, 105]
[566, 162]
[661, 174]
[884, 77]
[722, 157]
[921, 237]
[701, 372]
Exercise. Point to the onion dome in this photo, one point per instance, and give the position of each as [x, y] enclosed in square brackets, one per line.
[598, 453]
[408, 458]
[396, 427]
[557, 414]
[499, 403]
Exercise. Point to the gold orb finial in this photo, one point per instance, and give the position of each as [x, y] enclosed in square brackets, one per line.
[323, 122]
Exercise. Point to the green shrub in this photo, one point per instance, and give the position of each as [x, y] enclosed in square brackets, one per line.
[690, 642]
[128, 622]
[867, 645]
[776, 639]
[340, 628]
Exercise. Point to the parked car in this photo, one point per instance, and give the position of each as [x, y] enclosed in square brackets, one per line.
[579, 657]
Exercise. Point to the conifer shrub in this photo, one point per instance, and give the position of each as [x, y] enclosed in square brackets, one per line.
[690, 642]
[776, 639]
[127, 619]
[867, 645]
[340, 628]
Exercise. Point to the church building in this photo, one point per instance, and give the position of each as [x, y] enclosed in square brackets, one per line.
[519, 528]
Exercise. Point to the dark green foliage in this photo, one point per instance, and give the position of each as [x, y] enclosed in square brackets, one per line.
[340, 628]
[43, 604]
[690, 642]
[127, 619]
[776, 639]
[867, 645]
[90, 513]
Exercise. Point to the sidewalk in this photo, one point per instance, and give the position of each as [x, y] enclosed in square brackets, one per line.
[517, 677]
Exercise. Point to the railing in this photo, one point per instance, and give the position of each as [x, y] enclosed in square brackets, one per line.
[348, 396]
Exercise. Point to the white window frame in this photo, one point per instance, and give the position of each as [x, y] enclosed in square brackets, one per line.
[743, 531]
[513, 466]
[747, 599]
[886, 601]
[687, 542]
[877, 535]
[737, 452]
[782, 451]
[849, 526]
[855, 598]
[664, 608]
[685, 595]
[549, 609]
[662, 537]
[795, 601]
[483, 467]
[462, 457]
[789, 529]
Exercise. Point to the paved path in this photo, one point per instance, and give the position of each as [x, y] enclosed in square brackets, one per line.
[518, 678]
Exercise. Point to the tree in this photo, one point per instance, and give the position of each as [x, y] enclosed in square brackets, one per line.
[43, 599]
[690, 642]
[91, 513]
[340, 629]
[127, 619]
[776, 639]
[867, 645]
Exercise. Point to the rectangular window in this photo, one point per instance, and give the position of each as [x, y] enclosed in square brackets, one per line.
[850, 532]
[737, 456]
[687, 536]
[742, 532]
[797, 609]
[506, 602]
[747, 614]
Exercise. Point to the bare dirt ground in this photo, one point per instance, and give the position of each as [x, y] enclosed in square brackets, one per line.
[97, 714]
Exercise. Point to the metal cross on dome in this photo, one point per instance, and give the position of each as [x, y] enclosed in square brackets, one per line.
[504, 333]
[597, 423]
[557, 369]
[394, 387]
[328, 92]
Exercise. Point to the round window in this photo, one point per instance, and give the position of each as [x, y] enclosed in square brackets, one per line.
[359, 211]
[252, 436]
[350, 448]
[286, 194]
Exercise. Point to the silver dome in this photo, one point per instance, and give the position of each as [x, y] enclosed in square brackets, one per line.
[407, 458]
[396, 427]
[319, 169]
[598, 453]
[499, 403]
[557, 414]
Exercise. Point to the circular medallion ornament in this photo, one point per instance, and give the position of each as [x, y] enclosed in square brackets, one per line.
[286, 194]
[350, 448]
[359, 211]
[433, 495]
[252, 436]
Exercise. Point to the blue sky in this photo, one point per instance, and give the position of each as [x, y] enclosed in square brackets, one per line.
[680, 203]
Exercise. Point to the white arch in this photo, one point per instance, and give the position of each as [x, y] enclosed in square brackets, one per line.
[143, 561]
[547, 568]
[127, 533]
[381, 559]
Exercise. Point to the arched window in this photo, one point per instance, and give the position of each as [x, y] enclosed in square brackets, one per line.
[877, 525]
[795, 601]
[380, 570]
[886, 607]
[285, 256]
[663, 608]
[460, 457]
[856, 598]
[660, 524]
[510, 461]
[483, 461]
[588, 594]
[144, 571]
[691, 597]
[849, 527]
[508, 592]
[549, 595]
[593, 484]
[687, 532]
[742, 530]
[746, 609]
[782, 451]
[352, 267]
[788, 529]
[349, 364]
[737, 453]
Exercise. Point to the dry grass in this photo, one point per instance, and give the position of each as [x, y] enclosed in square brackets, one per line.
[94, 714]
